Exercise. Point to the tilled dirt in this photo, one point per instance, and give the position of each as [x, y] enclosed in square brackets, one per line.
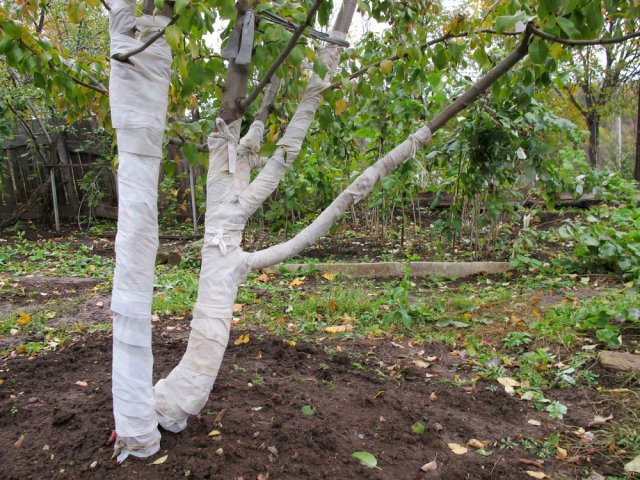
[54, 428]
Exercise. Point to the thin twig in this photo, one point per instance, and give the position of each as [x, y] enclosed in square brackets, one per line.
[123, 57]
[268, 99]
[29, 131]
[581, 43]
[282, 57]
[106, 5]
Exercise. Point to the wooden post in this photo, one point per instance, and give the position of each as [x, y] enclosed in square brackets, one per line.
[194, 207]
[54, 196]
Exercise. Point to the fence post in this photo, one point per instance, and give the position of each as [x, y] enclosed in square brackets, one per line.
[54, 196]
[194, 208]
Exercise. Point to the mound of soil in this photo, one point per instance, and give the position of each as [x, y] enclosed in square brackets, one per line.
[365, 395]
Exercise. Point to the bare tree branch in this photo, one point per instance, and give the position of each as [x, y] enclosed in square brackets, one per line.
[577, 43]
[124, 57]
[282, 57]
[268, 99]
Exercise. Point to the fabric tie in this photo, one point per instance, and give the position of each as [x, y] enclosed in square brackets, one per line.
[214, 237]
[223, 132]
[418, 139]
[240, 45]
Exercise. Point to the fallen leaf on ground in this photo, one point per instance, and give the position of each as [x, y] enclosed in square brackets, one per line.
[263, 476]
[599, 420]
[457, 448]
[289, 343]
[534, 422]
[23, 318]
[81, 383]
[429, 467]
[94, 464]
[508, 382]
[532, 463]
[433, 397]
[533, 474]
[264, 278]
[214, 433]
[296, 282]
[421, 363]
[475, 443]
[237, 307]
[329, 276]
[633, 466]
[242, 339]
[338, 328]
[365, 458]
[20, 441]
[561, 453]
[160, 460]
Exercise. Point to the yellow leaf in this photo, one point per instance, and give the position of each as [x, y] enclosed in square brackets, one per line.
[289, 343]
[296, 282]
[329, 276]
[336, 329]
[475, 443]
[160, 460]
[556, 50]
[91, 268]
[457, 448]
[264, 278]
[242, 339]
[341, 106]
[562, 453]
[214, 433]
[237, 307]
[23, 318]
[386, 66]
[467, 316]
[1, 381]
[533, 474]
[508, 382]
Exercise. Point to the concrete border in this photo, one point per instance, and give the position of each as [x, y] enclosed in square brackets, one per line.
[396, 269]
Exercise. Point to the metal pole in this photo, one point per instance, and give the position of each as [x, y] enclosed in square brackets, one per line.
[54, 196]
[194, 209]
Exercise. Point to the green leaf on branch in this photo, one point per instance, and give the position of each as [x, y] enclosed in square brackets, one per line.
[507, 22]
[568, 27]
[180, 6]
[538, 51]
[76, 11]
[174, 36]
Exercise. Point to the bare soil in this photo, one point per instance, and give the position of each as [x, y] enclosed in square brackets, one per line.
[366, 395]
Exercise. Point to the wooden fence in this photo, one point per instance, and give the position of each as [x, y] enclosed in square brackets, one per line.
[32, 160]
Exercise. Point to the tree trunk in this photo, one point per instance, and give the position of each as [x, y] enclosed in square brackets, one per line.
[593, 123]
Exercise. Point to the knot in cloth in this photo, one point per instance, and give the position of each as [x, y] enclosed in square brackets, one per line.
[214, 236]
[224, 133]
[419, 138]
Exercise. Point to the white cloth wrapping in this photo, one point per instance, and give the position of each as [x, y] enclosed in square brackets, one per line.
[358, 190]
[231, 199]
[138, 98]
[185, 391]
